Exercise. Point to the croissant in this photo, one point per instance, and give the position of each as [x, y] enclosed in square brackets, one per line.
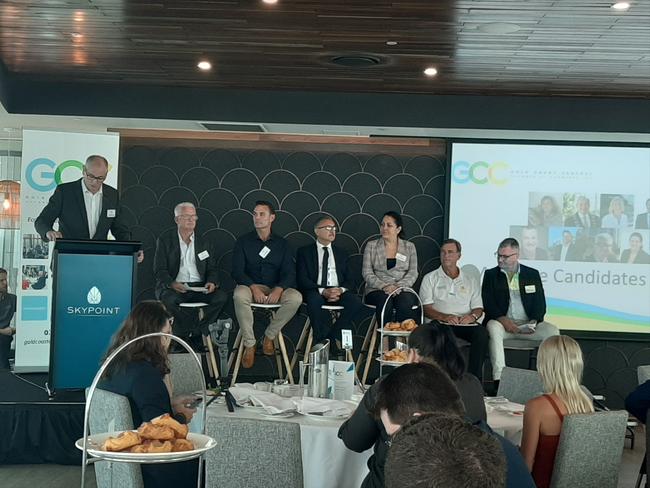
[166, 420]
[179, 445]
[156, 432]
[150, 446]
[123, 441]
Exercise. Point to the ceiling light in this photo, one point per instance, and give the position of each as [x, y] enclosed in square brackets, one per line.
[76, 35]
[391, 43]
[204, 65]
[270, 2]
[431, 71]
[498, 28]
[621, 6]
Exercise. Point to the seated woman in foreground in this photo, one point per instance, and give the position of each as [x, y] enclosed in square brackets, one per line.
[140, 372]
[560, 366]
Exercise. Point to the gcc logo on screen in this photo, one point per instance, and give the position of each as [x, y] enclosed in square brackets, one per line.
[480, 172]
[42, 174]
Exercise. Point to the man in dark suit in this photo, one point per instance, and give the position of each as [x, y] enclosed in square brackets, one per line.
[583, 217]
[514, 303]
[643, 220]
[323, 279]
[185, 266]
[86, 208]
[566, 250]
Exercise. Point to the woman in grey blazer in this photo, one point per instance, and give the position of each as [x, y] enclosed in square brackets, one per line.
[391, 262]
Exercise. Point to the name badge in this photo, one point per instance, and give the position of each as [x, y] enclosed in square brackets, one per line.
[346, 339]
[264, 252]
[110, 213]
[529, 288]
[400, 257]
[203, 255]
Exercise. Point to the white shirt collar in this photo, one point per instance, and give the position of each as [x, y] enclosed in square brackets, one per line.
[85, 189]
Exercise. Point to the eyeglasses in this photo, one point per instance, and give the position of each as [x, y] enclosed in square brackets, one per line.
[188, 217]
[503, 257]
[330, 228]
[447, 253]
[95, 178]
[170, 320]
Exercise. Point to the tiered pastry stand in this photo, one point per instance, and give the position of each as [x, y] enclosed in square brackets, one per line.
[150, 458]
[394, 333]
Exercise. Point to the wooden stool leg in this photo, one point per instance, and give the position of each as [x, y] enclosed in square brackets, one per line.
[207, 340]
[369, 357]
[240, 352]
[310, 340]
[207, 357]
[278, 355]
[285, 357]
[300, 343]
[363, 353]
[235, 348]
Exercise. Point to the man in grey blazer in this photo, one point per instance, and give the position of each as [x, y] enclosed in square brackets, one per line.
[185, 266]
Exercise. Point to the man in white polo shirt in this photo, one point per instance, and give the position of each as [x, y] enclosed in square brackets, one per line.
[454, 298]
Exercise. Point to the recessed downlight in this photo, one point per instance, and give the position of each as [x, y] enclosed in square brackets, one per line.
[270, 2]
[621, 6]
[431, 71]
[76, 35]
[204, 65]
[391, 43]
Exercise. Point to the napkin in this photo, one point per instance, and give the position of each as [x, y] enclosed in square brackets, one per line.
[323, 406]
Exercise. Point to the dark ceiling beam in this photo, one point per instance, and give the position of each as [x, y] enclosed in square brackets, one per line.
[584, 114]
[4, 85]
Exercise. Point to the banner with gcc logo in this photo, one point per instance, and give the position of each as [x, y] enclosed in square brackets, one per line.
[48, 159]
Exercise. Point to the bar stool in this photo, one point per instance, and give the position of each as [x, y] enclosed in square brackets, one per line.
[213, 369]
[308, 332]
[524, 345]
[280, 357]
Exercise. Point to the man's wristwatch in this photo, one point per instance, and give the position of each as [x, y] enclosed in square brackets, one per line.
[475, 317]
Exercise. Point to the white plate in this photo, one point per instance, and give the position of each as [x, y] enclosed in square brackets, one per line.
[283, 415]
[390, 363]
[397, 333]
[317, 416]
[201, 443]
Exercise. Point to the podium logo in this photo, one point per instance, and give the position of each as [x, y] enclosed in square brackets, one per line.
[94, 296]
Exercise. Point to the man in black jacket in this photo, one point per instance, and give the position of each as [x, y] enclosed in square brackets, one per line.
[514, 303]
[185, 266]
[323, 279]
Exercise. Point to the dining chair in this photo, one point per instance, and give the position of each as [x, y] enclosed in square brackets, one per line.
[590, 449]
[253, 453]
[520, 385]
[185, 374]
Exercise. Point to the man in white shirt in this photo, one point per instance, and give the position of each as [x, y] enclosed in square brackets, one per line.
[583, 217]
[323, 279]
[185, 266]
[454, 298]
[566, 250]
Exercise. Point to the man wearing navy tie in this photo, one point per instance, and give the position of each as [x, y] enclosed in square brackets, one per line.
[323, 279]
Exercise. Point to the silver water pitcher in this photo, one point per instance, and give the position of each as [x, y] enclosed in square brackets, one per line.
[318, 364]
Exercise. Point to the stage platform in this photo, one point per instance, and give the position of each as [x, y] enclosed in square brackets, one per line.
[34, 428]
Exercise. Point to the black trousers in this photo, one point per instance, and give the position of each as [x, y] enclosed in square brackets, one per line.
[185, 319]
[402, 306]
[5, 350]
[478, 338]
[321, 320]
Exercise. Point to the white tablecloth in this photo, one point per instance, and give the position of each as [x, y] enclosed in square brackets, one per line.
[326, 462]
[507, 424]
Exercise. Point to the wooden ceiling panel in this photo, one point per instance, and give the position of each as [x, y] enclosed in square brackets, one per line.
[578, 47]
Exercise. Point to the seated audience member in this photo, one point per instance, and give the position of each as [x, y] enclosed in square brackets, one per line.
[635, 254]
[7, 311]
[454, 298]
[429, 343]
[560, 365]
[643, 219]
[184, 259]
[443, 451]
[514, 304]
[529, 249]
[603, 249]
[389, 263]
[567, 250]
[263, 268]
[546, 214]
[323, 279]
[583, 217]
[418, 389]
[616, 217]
[638, 402]
[141, 373]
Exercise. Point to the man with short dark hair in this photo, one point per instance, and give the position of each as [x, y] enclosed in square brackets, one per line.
[514, 303]
[263, 268]
[453, 298]
[185, 267]
[566, 250]
[443, 451]
[643, 219]
[323, 279]
[7, 311]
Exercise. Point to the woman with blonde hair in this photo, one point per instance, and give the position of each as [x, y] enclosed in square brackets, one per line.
[560, 366]
[616, 218]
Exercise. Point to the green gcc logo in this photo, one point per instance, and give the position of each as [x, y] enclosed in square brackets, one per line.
[480, 172]
[42, 174]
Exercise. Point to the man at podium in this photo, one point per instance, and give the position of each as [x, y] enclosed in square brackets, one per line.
[86, 208]
[185, 266]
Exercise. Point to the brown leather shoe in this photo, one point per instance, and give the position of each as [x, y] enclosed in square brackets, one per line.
[248, 358]
[268, 347]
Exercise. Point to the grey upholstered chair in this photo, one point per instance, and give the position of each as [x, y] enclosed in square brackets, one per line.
[185, 374]
[643, 374]
[520, 385]
[590, 449]
[253, 454]
[110, 412]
